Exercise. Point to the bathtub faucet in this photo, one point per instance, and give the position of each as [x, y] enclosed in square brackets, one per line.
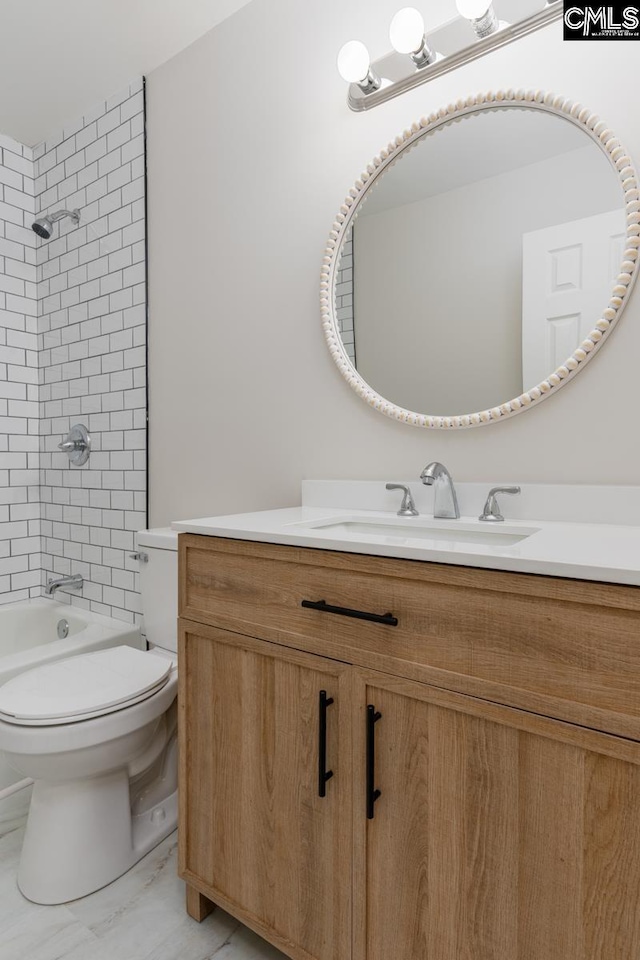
[64, 583]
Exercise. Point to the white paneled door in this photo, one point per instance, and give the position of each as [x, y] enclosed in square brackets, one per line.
[568, 272]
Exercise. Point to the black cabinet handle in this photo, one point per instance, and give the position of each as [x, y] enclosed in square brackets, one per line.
[323, 773]
[324, 607]
[372, 794]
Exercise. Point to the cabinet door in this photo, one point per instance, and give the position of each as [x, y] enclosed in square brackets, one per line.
[257, 837]
[497, 834]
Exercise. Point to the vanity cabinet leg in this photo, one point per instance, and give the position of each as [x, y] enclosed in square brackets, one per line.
[198, 907]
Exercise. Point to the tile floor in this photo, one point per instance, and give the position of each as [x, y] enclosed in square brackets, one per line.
[141, 916]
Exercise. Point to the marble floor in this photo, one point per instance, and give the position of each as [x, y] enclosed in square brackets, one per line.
[141, 916]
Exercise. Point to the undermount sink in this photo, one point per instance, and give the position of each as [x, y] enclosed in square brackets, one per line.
[452, 531]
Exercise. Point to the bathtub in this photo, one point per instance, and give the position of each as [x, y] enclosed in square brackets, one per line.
[29, 636]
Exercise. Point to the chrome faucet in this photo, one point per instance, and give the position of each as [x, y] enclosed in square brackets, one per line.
[407, 507]
[445, 501]
[64, 583]
[491, 512]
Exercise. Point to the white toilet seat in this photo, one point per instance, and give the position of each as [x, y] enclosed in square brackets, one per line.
[93, 734]
[83, 687]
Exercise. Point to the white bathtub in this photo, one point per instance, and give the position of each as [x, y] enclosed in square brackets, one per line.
[29, 637]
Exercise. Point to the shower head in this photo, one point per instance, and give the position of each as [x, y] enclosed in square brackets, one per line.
[43, 226]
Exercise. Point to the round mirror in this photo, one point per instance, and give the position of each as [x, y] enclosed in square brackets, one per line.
[481, 260]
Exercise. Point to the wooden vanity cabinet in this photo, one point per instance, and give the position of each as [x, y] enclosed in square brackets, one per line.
[460, 823]
[497, 835]
[262, 833]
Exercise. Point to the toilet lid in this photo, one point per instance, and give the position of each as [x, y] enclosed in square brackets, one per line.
[87, 685]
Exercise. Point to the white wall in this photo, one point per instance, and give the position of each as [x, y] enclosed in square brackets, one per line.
[248, 166]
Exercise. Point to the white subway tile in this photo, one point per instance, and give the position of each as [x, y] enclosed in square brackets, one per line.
[74, 163]
[15, 162]
[119, 136]
[132, 106]
[111, 161]
[66, 149]
[96, 150]
[86, 135]
[73, 326]
[109, 121]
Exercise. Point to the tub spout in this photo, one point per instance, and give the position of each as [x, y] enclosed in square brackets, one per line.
[64, 583]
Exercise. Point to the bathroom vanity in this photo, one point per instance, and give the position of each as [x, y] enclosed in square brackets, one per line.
[413, 738]
[382, 757]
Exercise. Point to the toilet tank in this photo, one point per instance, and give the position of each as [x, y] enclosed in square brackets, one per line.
[159, 586]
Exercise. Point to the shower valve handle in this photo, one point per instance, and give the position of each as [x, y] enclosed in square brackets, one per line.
[77, 445]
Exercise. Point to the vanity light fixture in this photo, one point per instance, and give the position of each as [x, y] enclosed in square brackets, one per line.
[481, 16]
[413, 60]
[407, 36]
[354, 66]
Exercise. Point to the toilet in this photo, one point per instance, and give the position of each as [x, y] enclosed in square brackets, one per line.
[97, 734]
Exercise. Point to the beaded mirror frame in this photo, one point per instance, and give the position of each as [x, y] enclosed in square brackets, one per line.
[622, 164]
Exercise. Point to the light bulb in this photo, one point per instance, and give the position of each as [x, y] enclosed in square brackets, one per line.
[473, 9]
[354, 62]
[481, 15]
[407, 31]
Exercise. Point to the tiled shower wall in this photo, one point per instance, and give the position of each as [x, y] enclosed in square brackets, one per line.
[83, 357]
[92, 358]
[19, 479]
[345, 298]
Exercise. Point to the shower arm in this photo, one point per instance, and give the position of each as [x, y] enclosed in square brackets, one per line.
[59, 214]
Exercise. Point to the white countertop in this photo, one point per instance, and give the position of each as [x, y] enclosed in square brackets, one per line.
[607, 552]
